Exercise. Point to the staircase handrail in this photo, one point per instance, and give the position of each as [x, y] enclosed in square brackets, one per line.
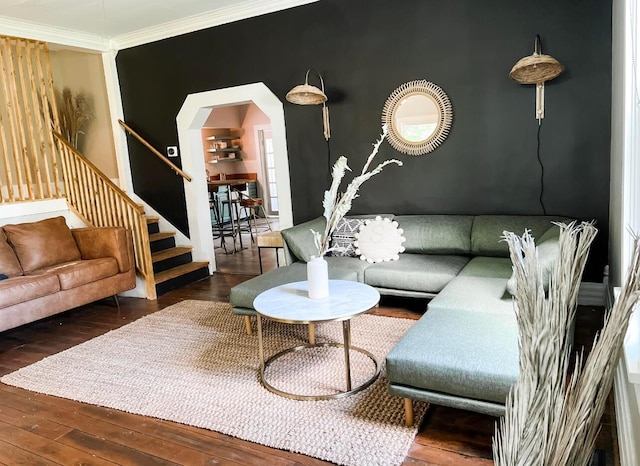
[154, 151]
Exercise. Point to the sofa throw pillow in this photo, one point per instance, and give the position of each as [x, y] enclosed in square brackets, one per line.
[9, 264]
[344, 235]
[42, 244]
[379, 240]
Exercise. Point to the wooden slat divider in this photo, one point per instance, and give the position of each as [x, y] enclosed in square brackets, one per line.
[39, 136]
[29, 144]
[49, 88]
[18, 107]
[10, 106]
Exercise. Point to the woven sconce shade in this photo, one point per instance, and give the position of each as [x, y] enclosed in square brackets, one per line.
[535, 69]
[306, 94]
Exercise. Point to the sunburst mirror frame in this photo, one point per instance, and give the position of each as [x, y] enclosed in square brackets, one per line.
[445, 110]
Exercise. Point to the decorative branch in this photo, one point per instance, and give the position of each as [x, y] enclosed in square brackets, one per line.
[552, 417]
[336, 205]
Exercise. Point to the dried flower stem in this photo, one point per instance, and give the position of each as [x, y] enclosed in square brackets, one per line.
[552, 418]
[336, 205]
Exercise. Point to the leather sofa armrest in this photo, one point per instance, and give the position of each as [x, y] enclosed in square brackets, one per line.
[116, 242]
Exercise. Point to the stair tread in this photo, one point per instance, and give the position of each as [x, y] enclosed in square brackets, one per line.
[179, 270]
[169, 253]
[161, 235]
[151, 219]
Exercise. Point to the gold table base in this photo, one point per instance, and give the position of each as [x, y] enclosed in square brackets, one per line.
[346, 327]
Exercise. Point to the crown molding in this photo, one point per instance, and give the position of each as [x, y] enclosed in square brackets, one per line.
[206, 20]
[52, 34]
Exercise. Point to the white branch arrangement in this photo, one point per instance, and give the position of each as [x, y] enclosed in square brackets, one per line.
[553, 417]
[336, 205]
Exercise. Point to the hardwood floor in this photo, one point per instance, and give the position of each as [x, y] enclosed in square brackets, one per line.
[38, 429]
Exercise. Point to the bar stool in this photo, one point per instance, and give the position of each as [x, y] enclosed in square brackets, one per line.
[217, 224]
[251, 206]
[232, 202]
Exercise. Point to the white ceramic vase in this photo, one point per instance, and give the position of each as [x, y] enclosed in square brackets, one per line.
[318, 278]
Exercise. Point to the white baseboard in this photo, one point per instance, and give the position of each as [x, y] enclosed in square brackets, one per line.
[627, 417]
[591, 294]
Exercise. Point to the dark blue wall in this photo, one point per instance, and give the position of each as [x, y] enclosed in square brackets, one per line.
[364, 49]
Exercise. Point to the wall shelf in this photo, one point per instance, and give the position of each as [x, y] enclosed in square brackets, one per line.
[225, 159]
[228, 149]
[223, 141]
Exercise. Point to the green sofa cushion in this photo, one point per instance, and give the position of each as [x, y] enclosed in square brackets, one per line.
[486, 235]
[415, 272]
[243, 294]
[436, 234]
[299, 238]
[493, 267]
[462, 353]
[475, 294]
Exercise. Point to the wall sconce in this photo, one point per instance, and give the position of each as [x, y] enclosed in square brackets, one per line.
[305, 94]
[536, 69]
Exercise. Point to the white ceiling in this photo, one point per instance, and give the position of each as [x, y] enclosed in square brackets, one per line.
[112, 18]
[107, 18]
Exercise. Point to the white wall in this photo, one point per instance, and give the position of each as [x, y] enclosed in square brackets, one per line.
[25, 212]
[623, 213]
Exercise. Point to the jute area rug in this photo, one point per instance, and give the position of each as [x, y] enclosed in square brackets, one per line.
[193, 363]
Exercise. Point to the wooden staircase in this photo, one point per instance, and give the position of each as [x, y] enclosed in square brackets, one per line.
[173, 266]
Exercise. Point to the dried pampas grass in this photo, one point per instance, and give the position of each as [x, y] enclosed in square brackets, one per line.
[553, 417]
[75, 110]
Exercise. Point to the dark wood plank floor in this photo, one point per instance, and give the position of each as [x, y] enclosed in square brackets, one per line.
[38, 429]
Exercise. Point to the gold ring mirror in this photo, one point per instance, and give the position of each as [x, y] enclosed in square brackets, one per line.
[418, 115]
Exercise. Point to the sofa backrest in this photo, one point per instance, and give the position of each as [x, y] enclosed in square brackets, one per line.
[486, 234]
[298, 240]
[479, 235]
[436, 234]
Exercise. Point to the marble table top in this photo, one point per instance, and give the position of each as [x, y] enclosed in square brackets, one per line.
[290, 303]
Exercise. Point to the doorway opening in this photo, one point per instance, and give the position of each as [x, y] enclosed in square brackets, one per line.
[191, 120]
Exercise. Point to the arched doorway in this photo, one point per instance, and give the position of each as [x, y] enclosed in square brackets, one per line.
[190, 119]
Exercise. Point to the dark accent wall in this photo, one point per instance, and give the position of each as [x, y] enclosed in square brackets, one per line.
[364, 49]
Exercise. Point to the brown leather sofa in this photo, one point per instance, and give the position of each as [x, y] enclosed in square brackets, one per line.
[51, 268]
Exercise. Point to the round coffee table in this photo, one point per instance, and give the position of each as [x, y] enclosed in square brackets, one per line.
[290, 304]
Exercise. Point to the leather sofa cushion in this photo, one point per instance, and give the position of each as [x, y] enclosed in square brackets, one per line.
[42, 244]
[9, 264]
[78, 273]
[436, 234]
[25, 288]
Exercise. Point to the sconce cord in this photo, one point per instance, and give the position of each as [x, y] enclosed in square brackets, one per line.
[544, 211]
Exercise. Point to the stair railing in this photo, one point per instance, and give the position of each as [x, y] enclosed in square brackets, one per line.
[99, 202]
[154, 151]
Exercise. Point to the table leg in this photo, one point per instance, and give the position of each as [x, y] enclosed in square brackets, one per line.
[277, 258]
[346, 333]
[260, 345]
[260, 259]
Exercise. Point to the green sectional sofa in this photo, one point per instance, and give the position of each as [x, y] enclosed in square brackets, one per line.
[463, 352]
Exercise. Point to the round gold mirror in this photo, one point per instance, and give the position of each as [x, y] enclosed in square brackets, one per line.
[418, 115]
